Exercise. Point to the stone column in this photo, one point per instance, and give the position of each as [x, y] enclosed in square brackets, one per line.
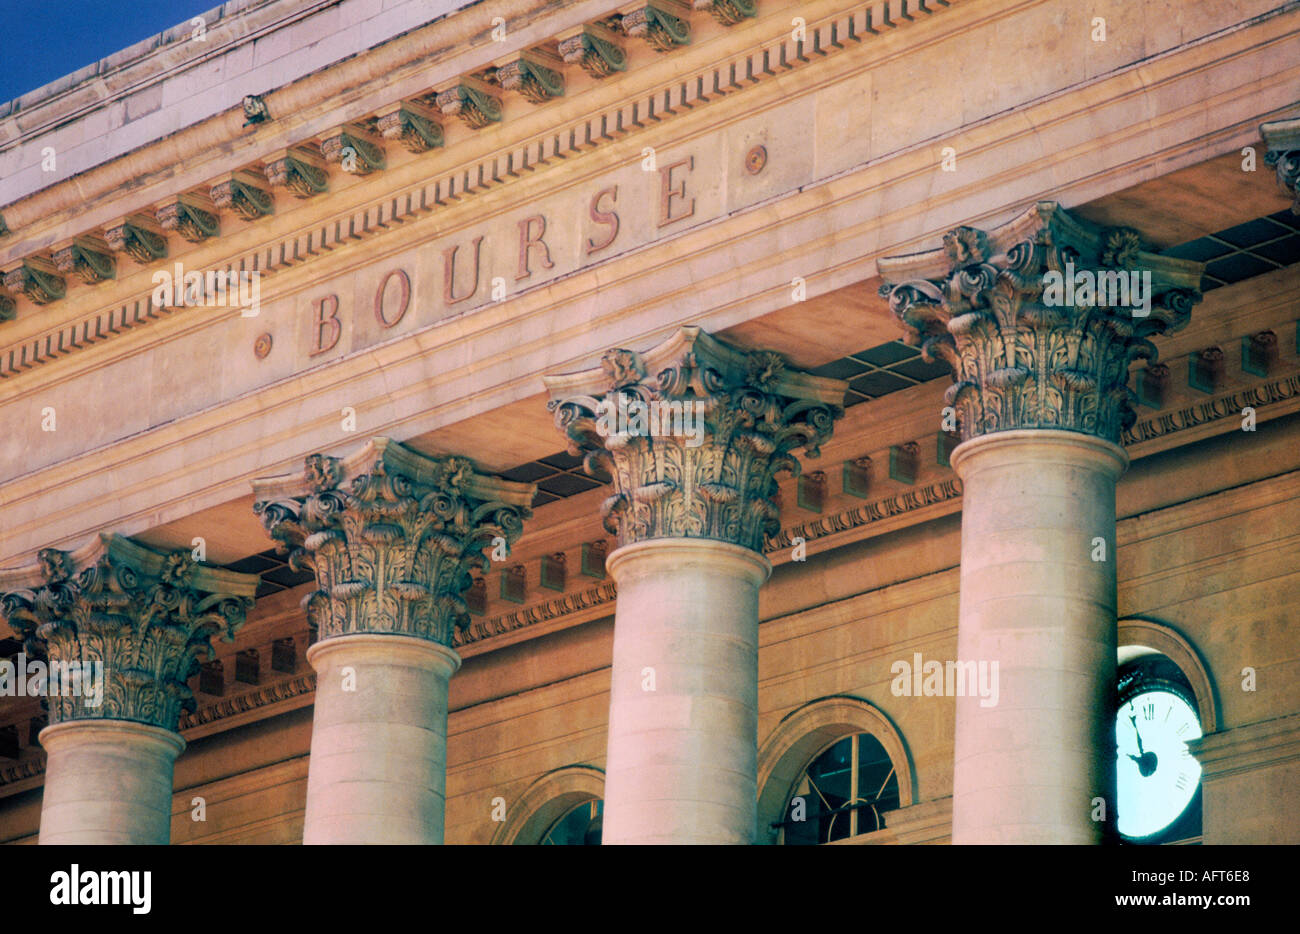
[121, 636]
[694, 434]
[1282, 137]
[1040, 393]
[391, 535]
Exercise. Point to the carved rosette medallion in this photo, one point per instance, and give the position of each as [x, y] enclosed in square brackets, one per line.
[145, 617]
[1283, 140]
[1026, 317]
[596, 55]
[391, 536]
[473, 105]
[695, 434]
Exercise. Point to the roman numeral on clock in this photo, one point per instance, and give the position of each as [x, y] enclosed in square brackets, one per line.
[1182, 781]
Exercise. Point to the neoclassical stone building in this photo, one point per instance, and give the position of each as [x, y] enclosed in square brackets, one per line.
[734, 421]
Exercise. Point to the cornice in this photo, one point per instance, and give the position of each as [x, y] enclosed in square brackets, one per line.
[502, 165]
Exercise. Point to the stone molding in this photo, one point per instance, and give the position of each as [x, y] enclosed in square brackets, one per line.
[391, 535]
[146, 616]
[1281, 393]
[756, 412]
[477, 630]
[1282, 137]
[1021, 357]
[301, 173]
[1235, 750]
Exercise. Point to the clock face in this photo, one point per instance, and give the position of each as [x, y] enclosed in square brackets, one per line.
[1157, 775]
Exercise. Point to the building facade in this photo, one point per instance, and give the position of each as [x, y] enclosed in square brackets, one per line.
[736, 421]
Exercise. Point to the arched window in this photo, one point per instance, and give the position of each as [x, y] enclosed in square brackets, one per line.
[846, 791]
[561, 808]
[840, 765]
[580, 827]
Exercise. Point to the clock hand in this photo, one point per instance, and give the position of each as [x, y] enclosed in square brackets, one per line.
[1134, 720]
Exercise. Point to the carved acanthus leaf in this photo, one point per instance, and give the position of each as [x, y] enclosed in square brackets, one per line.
[1040, 319]
[37, 280]
[598, 56]
[140, 618]
[391, 536]
[694, 435]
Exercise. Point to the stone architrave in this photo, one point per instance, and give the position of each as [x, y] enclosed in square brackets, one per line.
[1039, 320]
[694, 434]
[121, 628]
[391, 535]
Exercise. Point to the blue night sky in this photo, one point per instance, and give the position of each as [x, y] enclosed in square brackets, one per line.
[51, 38]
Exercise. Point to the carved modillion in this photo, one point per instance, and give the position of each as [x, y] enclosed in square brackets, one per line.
[662, 24]
[1282, 138]
[139, 237]
[411, 126]
[37, 279]
[188, 219]
[245, 193]
[350, 148]
[471, 101]
[596, 50]
[89, 260]
[299, 172]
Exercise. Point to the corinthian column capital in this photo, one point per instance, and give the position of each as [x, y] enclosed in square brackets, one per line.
[391, 535]
[1040, 319]
[1282, 137]
[136, 617]
[694, 433]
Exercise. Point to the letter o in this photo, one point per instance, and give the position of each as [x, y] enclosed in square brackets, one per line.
[405, 282]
